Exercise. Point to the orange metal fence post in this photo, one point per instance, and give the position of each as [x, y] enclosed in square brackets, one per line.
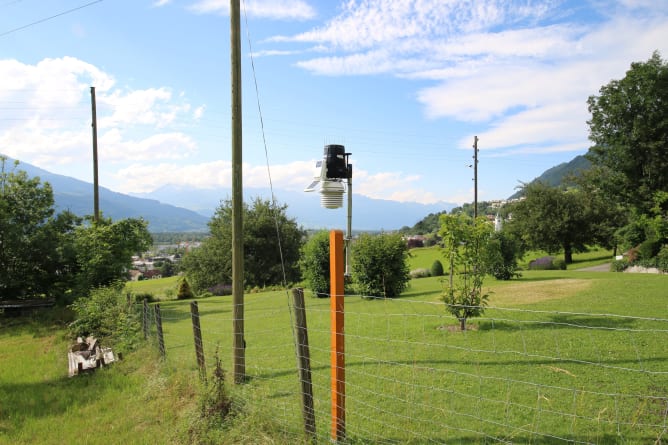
[337, 291]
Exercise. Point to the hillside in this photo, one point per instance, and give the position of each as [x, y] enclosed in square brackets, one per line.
[556, 175]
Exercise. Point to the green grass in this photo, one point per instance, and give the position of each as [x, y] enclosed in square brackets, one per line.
[127, 403]
[540, 367]
[161, 288]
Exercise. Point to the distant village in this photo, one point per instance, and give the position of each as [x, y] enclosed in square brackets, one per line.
[162, 263]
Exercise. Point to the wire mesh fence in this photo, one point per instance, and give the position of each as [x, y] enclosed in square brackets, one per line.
[412, 376]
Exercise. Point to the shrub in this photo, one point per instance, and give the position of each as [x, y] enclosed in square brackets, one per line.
[184, 291]
[108, 314]
[542, 263]
[436, 269]
[379, 265]
[648, 249]
[619, 265]
[314, 263]
[220, 289]
[420, 273]
[662, 259]
[141, 296]
[559, 264]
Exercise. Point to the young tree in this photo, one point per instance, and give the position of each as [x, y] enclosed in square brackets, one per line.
[314, 263]
[464, 244]
[379, 265]
[629, 129]
[268, 254]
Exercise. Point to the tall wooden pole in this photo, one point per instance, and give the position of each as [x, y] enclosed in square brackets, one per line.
[475, 178]
[239, 343]
[96, 185]
[337, 354]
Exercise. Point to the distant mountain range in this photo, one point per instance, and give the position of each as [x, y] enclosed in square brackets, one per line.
[77, 196]
[190, 209]
[367, 214]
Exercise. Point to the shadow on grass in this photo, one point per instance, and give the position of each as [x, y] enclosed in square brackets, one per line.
[41, 323]
[22, 401]
[558, 321]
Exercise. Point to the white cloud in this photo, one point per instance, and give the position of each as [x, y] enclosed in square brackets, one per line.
[521, 70]
[49, 121]
[272, 9]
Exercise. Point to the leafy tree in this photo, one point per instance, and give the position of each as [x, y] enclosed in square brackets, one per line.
[314, 263]
[104, 250]
[266, 255]
[464, 242]
[502, 254]
[379, 265]
[629, 129]
[553, 219]
[36, 255]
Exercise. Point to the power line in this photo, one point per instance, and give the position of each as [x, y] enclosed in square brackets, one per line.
[49, 18]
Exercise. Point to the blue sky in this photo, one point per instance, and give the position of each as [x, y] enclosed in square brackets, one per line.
[404, 85]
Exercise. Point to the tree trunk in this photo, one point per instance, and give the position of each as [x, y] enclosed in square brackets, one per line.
[462, 323]
[568, 255]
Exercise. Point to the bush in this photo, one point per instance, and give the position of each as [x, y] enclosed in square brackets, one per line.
[542, 263]
[141, 296]
[559, 264]
[648, 249]
[379, 265]
[184, 291]
[619, 265]
[420, 273]
[220, 289]
[314, 263]
[109, 315]
[662, 259]
[436, 269]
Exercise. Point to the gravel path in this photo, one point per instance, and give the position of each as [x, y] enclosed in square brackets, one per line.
[599, 268]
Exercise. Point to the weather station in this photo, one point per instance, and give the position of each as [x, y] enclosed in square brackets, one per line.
[333, 176]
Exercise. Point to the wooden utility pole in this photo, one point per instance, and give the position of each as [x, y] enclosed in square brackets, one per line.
[475, 178]
[96, 185]
[239, 343]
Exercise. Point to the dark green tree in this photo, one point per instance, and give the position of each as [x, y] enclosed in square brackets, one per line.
[379, 265]
[436, 268]
[555, 220]
[629, 129]
[314, 263]
[503, 252]
[184, 292]
[272, 243]
[464, 244]
[36, 247]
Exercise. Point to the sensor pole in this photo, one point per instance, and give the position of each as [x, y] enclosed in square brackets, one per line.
[349, 226]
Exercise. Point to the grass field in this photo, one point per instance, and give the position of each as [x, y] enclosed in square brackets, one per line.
[559, 357]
